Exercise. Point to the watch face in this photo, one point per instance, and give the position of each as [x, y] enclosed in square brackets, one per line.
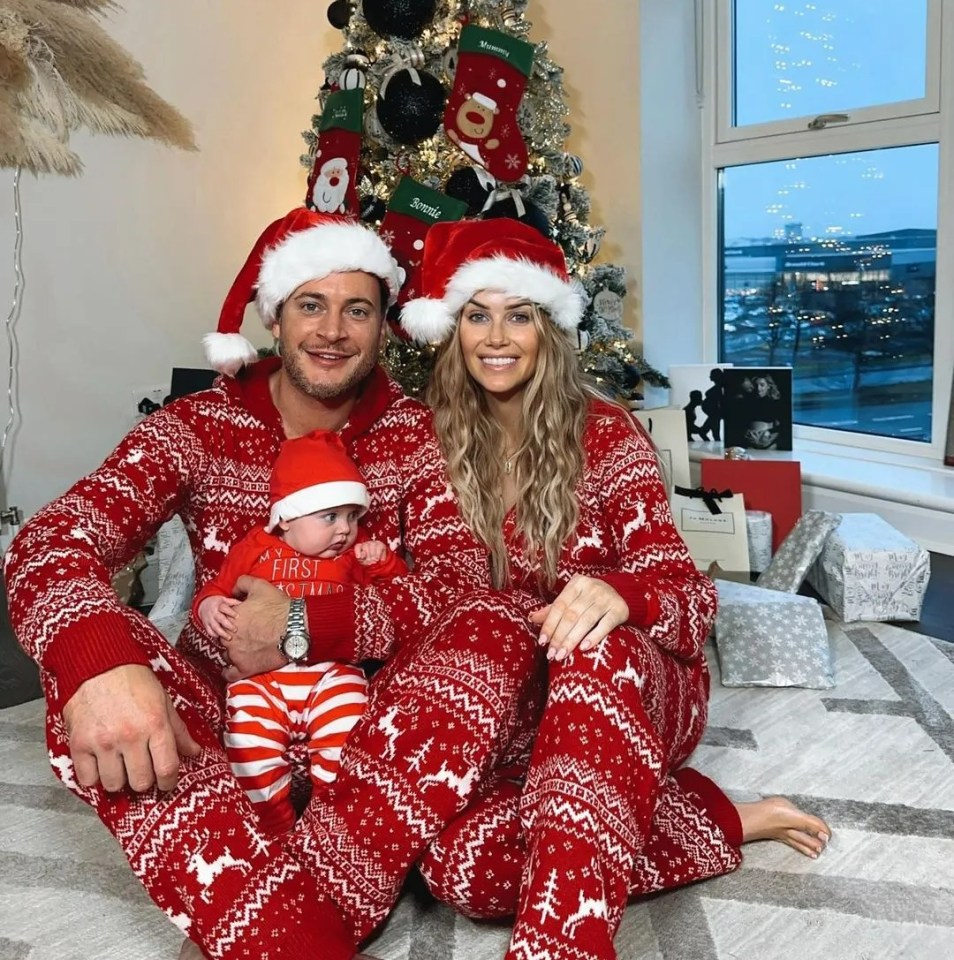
[295, 646]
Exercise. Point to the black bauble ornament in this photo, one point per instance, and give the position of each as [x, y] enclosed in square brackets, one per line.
[466, 184]
[399, 18]
[532, 215]
[411, 106]
[339, 14]
[372, 208]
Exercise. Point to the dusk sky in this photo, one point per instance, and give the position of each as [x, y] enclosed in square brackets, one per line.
[805, 58]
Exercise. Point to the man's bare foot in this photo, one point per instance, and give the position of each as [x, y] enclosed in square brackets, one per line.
[776, 818]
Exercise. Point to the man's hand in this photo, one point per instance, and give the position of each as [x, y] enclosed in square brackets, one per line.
[258, 626]
[124, 730]
[582, 615]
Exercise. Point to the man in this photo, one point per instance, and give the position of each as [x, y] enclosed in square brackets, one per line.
[134, 726]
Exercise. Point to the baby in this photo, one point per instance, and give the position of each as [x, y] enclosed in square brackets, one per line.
[312, 544]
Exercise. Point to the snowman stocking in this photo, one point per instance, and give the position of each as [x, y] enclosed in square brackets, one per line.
[412, 211]
[481, 114]
[334, 174]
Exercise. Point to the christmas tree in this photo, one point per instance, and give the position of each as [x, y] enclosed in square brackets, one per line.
[444, 109]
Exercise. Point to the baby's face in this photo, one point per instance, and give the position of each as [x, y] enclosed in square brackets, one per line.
[325, 534]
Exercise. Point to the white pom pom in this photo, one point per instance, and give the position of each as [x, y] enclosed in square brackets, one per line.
[228, 352]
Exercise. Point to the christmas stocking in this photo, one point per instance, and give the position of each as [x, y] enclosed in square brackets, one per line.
[412, 211]
[334, 175]
[481, 114]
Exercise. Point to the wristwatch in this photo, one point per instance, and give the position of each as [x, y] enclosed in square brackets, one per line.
[295, 642]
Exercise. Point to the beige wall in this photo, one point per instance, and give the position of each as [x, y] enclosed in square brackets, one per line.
[127, 265]
[597, 44]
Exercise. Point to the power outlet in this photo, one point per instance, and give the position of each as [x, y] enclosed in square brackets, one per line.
[146, 400]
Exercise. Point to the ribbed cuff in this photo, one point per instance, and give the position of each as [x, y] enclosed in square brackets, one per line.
[643, 606]
[88, 648]
[718, 807]
[332, 627]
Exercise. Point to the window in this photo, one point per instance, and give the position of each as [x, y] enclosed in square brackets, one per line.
[824, 168]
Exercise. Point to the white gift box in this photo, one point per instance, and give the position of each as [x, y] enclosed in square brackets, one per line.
[867, 570]
[766, 638]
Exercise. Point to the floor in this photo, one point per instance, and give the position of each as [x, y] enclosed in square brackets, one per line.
[937, 614]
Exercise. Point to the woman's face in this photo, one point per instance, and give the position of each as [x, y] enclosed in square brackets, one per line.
[761, 386]
[499, 342]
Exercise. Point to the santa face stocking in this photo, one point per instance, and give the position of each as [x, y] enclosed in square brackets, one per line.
[481, 114]
[334, 174]
[412, 211]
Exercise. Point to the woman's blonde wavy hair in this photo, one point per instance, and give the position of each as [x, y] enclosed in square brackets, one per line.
[547, 465]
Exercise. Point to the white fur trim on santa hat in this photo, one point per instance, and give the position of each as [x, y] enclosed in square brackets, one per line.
[431, 321]
[317, 252]
[228, 352]
[427, 320]
[322, 496]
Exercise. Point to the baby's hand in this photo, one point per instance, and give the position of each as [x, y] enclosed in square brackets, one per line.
[370, 552]
[218, 616]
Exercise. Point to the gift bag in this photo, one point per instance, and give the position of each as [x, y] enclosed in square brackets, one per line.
[666, 427]
[712, 523]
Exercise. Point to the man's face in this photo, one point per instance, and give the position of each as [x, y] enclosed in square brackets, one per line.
[331, 332]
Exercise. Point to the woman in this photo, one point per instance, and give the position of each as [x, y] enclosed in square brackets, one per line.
[564, 490]
[763, 406]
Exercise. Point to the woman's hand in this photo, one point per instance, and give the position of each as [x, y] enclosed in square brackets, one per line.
[583, 614]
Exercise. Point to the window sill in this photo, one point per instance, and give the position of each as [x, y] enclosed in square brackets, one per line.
[915, 495]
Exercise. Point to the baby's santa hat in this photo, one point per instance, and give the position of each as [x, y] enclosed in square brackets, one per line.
[301, 246]
[311, 474]
[500, 254]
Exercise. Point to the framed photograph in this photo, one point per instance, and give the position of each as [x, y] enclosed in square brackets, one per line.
[696, 388]
[758, 407]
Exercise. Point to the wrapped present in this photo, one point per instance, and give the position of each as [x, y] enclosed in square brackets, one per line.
[766, 638]
[870, 571]
[799, 550]
[758, 529]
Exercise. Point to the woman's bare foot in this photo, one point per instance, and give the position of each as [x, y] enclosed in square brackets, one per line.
[776, 818]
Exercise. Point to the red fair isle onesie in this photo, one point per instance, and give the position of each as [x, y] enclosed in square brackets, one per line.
[197, 849]
[315, 704]
[450, 715]
[605, 811]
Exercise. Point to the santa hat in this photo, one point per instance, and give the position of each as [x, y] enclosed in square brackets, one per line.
[300, 247]
[465, 256]
[314, 473]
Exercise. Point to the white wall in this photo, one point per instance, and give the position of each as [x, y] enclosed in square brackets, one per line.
[671, 186]
[126, 266]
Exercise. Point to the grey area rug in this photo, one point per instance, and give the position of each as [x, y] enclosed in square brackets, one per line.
[874, 756]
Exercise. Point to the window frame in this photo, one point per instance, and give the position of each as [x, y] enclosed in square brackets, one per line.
[869, 129]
